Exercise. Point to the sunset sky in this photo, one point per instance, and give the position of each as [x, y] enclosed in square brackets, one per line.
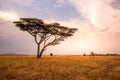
[98, 23]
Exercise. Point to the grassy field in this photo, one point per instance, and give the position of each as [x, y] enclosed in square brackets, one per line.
[59, 68]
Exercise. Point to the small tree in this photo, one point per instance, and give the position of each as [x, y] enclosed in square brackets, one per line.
[84, 54]
[51, 54]
[44, 34]
[92, 54]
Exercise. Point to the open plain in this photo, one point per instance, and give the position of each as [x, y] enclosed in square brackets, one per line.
[60, 68]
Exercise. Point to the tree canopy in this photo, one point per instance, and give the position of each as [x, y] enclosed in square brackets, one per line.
[44, 34]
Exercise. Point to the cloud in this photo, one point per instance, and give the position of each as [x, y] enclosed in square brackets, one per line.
[8, 16]
[15, 8]
[115, 4]
[98, 13]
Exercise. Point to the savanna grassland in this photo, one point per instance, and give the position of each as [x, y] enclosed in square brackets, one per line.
[60, 68]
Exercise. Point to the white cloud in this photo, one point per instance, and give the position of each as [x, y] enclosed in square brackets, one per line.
[99, 13]
[8, 16]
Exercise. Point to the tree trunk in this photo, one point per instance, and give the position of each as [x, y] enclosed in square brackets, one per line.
[41, 52]
[38, 50]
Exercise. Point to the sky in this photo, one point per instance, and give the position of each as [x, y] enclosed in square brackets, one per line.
[98, 23]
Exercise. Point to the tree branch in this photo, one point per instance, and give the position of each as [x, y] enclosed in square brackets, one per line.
[36, 39]
[51, 42]
[31, 33]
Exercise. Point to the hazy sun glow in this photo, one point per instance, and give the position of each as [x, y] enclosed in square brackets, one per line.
[8, 16]
[84, 45]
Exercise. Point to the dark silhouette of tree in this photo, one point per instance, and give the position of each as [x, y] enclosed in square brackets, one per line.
[44, 34]
[51, 54]
[84, 54]
[92, 54]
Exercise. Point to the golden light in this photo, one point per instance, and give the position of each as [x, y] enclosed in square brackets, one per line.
[8, 16]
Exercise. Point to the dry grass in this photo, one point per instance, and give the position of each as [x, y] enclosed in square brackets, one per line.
[60, 68]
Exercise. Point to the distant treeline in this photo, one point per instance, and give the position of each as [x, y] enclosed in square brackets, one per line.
[95, 54]
[107, 54]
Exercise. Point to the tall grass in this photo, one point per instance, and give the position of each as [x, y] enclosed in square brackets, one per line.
[60, 68]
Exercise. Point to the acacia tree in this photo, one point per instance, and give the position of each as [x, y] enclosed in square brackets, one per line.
[44, 34]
